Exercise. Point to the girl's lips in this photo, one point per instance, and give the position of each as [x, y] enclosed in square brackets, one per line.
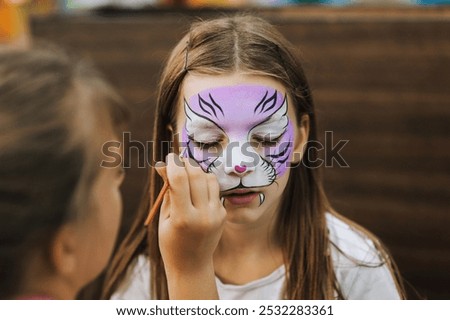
[238, 191]
[240, 198]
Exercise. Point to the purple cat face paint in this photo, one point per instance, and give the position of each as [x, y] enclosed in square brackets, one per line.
[240, 133]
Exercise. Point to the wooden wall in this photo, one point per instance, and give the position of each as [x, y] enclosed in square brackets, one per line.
[380, 78]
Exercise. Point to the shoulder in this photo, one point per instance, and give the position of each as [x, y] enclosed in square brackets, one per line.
[350, 244]
[136, 283]
[362, 271]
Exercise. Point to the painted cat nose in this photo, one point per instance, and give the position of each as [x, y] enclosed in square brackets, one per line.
[241, 169]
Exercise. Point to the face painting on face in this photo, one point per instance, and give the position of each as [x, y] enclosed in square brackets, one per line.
[240, 133]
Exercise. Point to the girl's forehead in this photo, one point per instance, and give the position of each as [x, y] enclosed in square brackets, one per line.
[196, 83]
[239, 94]
[236, 97]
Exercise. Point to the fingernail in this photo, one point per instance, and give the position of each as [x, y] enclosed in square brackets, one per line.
[182, 162]
[160, 164]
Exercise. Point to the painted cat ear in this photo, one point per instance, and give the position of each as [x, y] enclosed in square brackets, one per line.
[190, 116]
[283, 109]
[193, 119]
[281, 113]
[277, 121]
[188, 111]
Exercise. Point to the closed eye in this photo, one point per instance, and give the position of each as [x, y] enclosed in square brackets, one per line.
[206, 145]
[267, 141]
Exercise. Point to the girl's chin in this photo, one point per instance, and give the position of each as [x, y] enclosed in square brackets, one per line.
[243, 214]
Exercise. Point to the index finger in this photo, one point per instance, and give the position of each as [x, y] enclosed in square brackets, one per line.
[178, 181]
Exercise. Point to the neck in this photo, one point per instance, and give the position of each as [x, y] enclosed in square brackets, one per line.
[40, 281]
[48, 288]
[253, 248]
[246, 239]
[34, 297]
[247, 236]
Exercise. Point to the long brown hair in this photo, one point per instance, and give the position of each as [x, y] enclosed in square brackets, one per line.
[51, 108]
[251, 45]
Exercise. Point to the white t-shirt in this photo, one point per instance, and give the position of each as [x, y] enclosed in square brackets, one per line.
[373, 281]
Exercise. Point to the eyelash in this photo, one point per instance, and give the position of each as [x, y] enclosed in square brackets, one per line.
[268, 142]
[205, 145]
[261, 140]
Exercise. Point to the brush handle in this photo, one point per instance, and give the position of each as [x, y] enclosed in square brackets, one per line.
[157, 203]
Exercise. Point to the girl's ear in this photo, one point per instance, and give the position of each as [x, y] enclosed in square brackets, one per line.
[63, 251]
[301, 139]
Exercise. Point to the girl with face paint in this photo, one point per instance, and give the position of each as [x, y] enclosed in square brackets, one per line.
[246, 216]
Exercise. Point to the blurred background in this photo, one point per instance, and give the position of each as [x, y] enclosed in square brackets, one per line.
[380, 74]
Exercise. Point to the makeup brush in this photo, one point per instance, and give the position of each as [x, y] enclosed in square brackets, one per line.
[157, 203]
